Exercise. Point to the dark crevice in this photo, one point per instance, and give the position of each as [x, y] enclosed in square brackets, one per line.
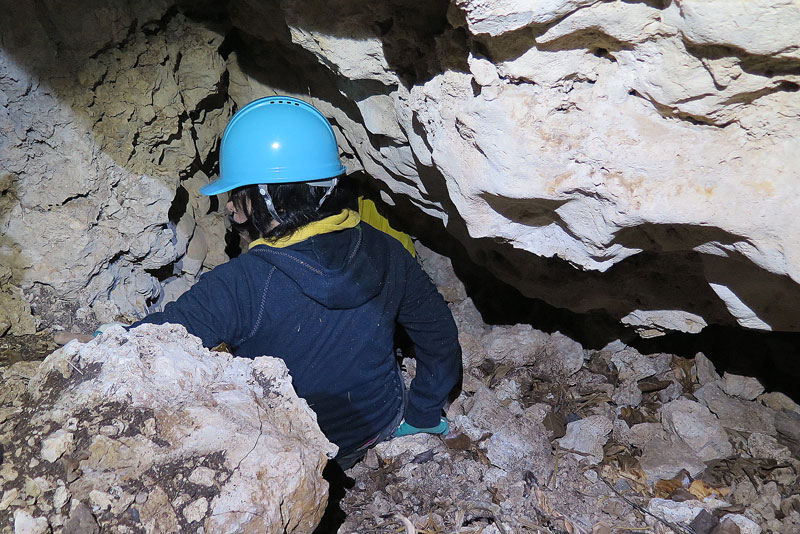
[177, 65]
[134, 144]
[74, 197]
[789, 87]
[670, 113]
[233, 243]
[162, 273]
[766, 66]
[179, 205]
[230, 44]
[752, 96]
[604, 53]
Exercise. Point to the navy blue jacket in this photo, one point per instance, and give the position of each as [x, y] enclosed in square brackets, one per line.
[328, 307]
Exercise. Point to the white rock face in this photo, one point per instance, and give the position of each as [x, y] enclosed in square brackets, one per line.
[200, 439]
[613, 136]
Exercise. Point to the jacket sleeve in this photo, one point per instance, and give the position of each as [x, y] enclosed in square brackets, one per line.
[215, 309]
[430, 325]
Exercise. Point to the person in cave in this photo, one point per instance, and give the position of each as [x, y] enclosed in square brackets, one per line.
[318, 288]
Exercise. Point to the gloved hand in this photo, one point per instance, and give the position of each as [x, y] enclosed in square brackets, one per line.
[103, 327]
[406, 430]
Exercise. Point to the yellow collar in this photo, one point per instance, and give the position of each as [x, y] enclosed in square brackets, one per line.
[341, 221]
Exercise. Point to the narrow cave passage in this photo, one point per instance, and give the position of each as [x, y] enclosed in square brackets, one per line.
[617, 251]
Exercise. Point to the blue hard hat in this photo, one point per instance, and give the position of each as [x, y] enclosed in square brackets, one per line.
[276, 140]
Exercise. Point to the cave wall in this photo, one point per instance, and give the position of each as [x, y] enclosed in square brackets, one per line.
[109, 113]
[629, 157]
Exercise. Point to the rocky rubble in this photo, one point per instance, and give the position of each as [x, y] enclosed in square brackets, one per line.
[549, 437]
[146, 431]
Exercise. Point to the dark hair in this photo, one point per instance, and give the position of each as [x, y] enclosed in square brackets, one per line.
[296, 205]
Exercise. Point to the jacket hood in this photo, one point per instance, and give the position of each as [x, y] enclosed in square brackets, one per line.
[334, 269]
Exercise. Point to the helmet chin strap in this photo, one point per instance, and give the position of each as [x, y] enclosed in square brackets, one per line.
[262, 188]
[330, 184]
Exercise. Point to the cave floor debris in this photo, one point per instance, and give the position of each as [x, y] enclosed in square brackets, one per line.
[550, 438]
[453, 483]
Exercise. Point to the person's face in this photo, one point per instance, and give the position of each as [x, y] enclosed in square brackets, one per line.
[239, 217]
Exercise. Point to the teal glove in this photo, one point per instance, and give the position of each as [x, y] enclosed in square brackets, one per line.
[406, 430]
[103, 327]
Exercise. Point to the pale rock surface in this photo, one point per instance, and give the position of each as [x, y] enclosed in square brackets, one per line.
[744, 387]
[788, 424]
[627, 394]
[706, 372]
[773, 26]
[496, 18]
[521, 445]
[763, 446]
[639, 435]
[697, 427]
[96, 135]
[735, 413]
[25, 523]
[588, 436]
[633, 366]
[746, 525]
[653, 323]
[56, 444]
[680, 512]
[520, 166]
[778, 401]
[228, 431]
[665, 456]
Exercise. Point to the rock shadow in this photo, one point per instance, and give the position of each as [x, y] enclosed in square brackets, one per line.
[527, 211]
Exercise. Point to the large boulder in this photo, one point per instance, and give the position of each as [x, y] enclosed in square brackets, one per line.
[146, 429]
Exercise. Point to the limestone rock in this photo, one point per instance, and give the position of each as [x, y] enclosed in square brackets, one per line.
[706, 372]
[680, 512]
[772, 25]
[736, 413]
[56, 444]
[745, 524]
[744, 387]
[15, 381]
[496, 18]
[627, 394]
[633, 366]
[639, 435]
[520, 445]
[665, 457]
[697, 427]
[778, 401]
[229, 431]
[788, 424]
[588, 436]
[25, 523]
[92, 175]
[762, 446]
